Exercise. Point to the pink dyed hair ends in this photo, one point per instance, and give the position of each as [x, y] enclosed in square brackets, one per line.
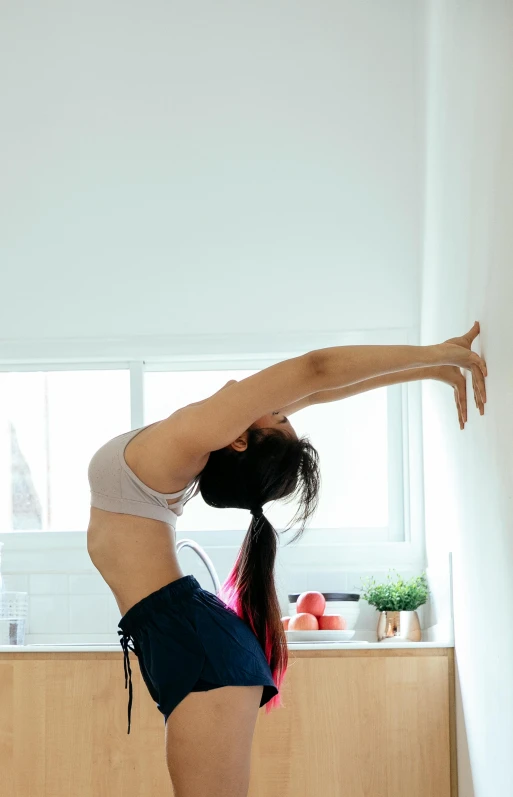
[229, 594]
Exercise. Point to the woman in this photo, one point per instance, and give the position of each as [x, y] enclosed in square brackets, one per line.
[210, 663]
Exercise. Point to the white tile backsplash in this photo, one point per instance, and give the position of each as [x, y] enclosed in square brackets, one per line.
[48, 614]
[90, 613]
[48, 584]
[16, 582]
[88, 584]
[70, 602]
[45, 560]
[326, 581]
[114, 616]
[355, 578]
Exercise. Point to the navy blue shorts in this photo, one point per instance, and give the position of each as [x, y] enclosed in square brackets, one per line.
[186, 640]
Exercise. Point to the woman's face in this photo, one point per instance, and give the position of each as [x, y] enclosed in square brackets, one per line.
[276, 419]
[270, 421]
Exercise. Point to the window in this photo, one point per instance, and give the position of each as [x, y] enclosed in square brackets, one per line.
[51, 423]
[361, 474]
[53, 420]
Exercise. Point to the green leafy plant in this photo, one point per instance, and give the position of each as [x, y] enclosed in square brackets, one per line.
[398, 595]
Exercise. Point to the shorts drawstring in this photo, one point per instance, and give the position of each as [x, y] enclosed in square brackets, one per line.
[126, 647]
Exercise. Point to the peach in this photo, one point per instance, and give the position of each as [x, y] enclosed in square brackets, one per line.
[332, 622]
[285, 620]
[304, 621]
[312, 603]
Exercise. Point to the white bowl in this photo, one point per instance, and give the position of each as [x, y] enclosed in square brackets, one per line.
[319, 636]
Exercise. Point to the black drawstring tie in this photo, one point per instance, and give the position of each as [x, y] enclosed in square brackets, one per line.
[128, 674]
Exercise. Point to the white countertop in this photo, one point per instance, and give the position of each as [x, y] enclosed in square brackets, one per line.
[110, 648]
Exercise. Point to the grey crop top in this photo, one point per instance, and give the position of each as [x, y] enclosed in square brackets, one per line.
[116, 488]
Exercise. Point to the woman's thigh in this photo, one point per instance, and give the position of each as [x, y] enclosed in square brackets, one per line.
[208, 741]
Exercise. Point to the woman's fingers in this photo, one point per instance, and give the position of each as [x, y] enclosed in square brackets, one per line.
[462, 396]
[461, 356]
[474, 332]
[476, 360]
[480, 387]
[456, 398]
[477, 367]
[477, 394]
[468, 338]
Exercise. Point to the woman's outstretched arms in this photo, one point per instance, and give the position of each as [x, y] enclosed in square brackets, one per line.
[447, 373]
[216, 422]
[340, 366]
[219, 420]
[385, 380]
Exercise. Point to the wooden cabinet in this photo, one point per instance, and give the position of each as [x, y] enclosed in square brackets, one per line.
[355, 723]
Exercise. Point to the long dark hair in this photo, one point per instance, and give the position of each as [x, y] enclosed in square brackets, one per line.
[273, 466]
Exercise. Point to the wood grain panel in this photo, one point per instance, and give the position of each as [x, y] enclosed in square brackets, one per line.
[371, 726]
[370, 723]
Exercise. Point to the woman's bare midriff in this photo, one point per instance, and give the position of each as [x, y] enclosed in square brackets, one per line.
[135, 555]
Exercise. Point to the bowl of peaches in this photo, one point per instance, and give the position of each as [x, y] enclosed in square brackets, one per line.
[321, 617]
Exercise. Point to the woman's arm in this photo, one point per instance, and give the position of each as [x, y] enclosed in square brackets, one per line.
[384, 380]
[448, 374]
[336, 394]
[341, 366]
[442, 362]
[215, 423]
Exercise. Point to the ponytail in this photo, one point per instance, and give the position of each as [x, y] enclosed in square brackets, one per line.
[273, 467]
[250, 591]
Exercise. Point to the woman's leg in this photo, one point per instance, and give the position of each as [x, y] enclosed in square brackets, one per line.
[208, 741]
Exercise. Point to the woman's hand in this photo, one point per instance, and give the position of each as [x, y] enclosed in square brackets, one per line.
[452, 375]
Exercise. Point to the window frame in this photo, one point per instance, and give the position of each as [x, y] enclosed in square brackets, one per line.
[405, 543]
[397, 528]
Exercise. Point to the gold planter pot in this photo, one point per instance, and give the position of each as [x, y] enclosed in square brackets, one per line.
[399, 625]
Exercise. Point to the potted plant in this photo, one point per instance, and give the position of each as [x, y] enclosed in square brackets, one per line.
[397, 601]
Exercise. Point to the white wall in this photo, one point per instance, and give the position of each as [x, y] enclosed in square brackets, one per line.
[468, 276]
[178, 168]
[211, 168]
